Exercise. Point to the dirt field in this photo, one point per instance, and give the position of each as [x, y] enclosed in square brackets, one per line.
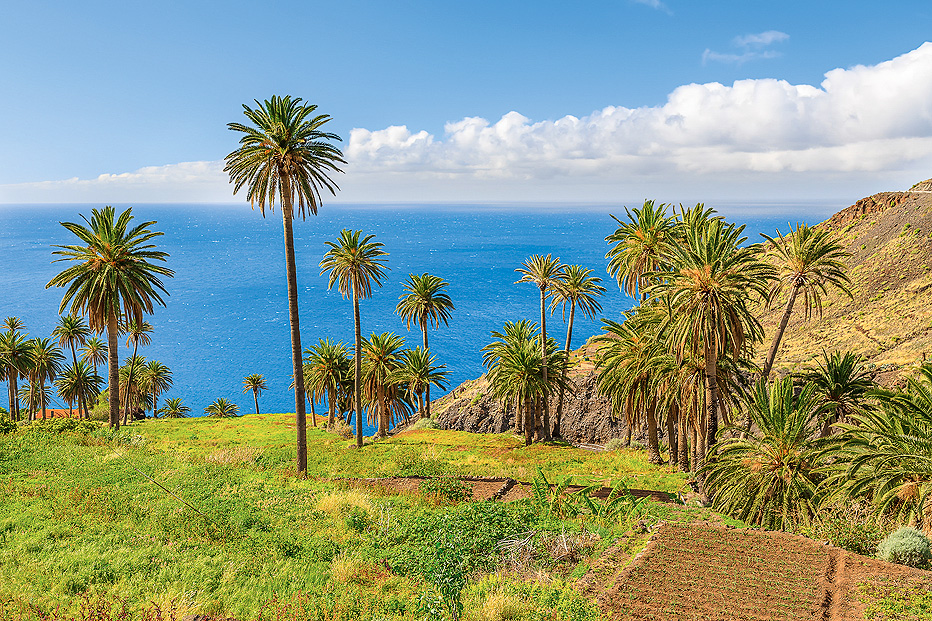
[713, 573]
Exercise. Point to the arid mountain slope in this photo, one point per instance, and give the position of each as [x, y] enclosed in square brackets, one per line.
[889, 318]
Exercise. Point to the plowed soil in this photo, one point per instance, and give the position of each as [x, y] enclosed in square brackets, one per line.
[713, 573]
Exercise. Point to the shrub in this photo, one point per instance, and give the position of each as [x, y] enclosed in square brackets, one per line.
[357, 518]
[62, 425]
[7, 426]
[615, 444]
[851, 527]
[416, 465]
[345, 431]
[446, 488]
[425, 423]
[906, 546]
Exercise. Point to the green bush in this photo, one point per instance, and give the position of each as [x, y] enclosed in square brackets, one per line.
[425, 423]
[906, 546]
[416, 465]
[446, 488]
[851, 527]
[7, 426]
[615, 444]
[62, 425]
[357, 519]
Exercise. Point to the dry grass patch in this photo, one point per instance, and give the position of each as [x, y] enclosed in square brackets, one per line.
[338, 502]
[234, 455]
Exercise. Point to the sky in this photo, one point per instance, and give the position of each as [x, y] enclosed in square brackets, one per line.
[481, 101]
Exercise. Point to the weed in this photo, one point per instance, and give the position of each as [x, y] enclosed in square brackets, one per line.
[446, 488]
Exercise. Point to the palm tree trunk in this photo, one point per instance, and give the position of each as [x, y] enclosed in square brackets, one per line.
[682, 443]
[113, 371]
[566, 351]
[129, 381]
[255, 396]
[519, 416]
[358, 370]
[42, 394]
[528, 421]
[296, 361]
[313, 413]
[81, 405]
[424, 332]
[331, 410]
[543, 353]
[653, 440]
[772, 354]
[672, 415]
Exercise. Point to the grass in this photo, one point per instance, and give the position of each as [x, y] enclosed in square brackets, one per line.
[81, 519]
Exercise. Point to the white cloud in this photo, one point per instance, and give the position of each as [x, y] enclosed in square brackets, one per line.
[655, 4]
[753, 48]
[863, 128]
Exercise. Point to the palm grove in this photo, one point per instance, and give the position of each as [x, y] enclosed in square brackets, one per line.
[682, 365]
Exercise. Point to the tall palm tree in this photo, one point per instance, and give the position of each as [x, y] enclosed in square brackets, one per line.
[425, 301]
[174, 408]
[639, 246]
[14, 324]
[710, 286]
[111, 271]
[514, 335]
[545, 272]
[808, 260]
[157, 378]
[71, 332]
[769, 478]
[418, 371]
[580, 289]
[137, 333]
[354, 265]
[325, 366]
[256, 384]
[843, 382]
[46, 364]
[78, 383]
[285, 155]
[382, 358]
[221, 408]
[94, 352]
[15, 360]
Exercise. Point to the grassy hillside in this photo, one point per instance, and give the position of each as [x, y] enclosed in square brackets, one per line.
[889, 318]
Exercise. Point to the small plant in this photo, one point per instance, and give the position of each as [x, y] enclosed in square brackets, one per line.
[475, 399]
[357, 518]
[549, 498]
[615, 444]
[906, 546]
[425, 423]
[446, 488]
[345, 431]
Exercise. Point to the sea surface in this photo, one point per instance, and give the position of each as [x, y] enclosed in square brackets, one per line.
[227, 313]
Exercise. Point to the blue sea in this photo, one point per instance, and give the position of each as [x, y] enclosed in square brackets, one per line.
[227, 313]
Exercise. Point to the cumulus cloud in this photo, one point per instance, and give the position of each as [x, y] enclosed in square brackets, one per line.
[752, 47]
[761, 137]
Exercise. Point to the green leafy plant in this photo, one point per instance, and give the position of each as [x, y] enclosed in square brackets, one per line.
[7, 426]
[357, 519]
[549, 498]
[906, 546]
[446, 488]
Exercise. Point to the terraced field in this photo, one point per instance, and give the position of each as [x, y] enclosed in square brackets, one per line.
[693, 572]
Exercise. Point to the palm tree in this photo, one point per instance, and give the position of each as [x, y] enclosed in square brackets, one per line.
[133, 391]
[112, 270]
[15, 360]
[46, 359]
[425, 302]
[37, 396]
[325, 366]
[545, 272]
[137, 332]
[14, 324]
[382, 358]
[71, 332]
[157, 378]
[843, 382]
[94, 352]
[285, 154]
[221, 408]
[354, 265]
[174, 408]
[256, 384]
[640, 247]
[78, 383]
[769, 479]
[808, 260]
[580, 289]
[514, 335]
[709, 287]
[418, 371]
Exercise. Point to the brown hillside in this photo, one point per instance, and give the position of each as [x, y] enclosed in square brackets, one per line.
[889, 318]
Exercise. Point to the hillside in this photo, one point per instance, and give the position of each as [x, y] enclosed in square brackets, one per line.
[888, 320]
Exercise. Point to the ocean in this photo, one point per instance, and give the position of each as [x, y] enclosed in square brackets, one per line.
[227, 314]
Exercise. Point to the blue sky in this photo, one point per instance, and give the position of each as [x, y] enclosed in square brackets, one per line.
[485, 101]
